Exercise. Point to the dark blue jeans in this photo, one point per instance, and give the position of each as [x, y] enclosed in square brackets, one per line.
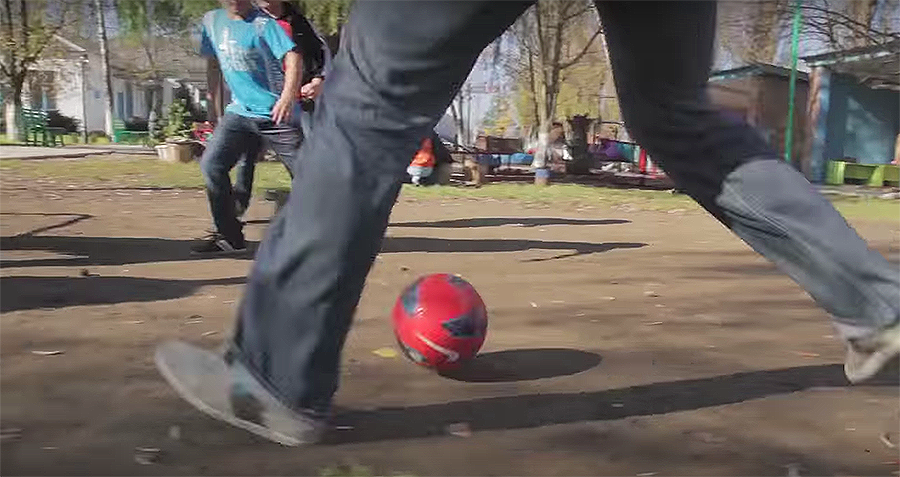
[236, 137]
[246, 166]
[400, 65]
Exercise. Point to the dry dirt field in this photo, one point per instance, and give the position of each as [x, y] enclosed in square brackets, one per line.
[621, 342]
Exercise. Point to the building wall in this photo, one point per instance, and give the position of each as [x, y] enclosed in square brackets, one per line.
[862, 123]
[68, 83]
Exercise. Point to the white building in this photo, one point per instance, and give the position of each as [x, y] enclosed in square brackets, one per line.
[70, 80]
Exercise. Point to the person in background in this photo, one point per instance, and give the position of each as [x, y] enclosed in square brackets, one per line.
[242, 44]
[315, 60]
[423, 162]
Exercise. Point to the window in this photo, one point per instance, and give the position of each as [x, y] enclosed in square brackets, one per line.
[120, 105]
[129, 101]
[42, 87]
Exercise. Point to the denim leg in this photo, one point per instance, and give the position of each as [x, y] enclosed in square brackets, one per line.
[283, 139]
[243, 181]
[233, 138]
[726, 166]
[397, 73]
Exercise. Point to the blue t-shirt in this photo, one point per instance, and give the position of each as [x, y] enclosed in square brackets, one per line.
[250, 53]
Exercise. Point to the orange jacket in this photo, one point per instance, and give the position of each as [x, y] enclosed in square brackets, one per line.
[425, 156]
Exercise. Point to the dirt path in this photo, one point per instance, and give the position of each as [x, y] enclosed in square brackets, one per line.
[622, 343]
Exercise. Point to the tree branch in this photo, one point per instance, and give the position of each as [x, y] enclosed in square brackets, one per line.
[583, 51]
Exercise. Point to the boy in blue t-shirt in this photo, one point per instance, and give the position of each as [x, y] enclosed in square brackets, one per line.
[261, 66]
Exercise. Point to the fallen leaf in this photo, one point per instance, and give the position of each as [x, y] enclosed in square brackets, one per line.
[534, 305]
[47, 353]
[885, 439]
[460, 429]
[385, 352]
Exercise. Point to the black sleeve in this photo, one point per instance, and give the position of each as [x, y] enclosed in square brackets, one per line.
[311, 47]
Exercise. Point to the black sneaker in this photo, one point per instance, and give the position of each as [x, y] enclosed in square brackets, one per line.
[215, 243]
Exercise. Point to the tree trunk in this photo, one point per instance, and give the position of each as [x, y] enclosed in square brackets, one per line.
[104, 63]
[13, 108]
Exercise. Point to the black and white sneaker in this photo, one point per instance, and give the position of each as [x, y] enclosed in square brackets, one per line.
[216, 244]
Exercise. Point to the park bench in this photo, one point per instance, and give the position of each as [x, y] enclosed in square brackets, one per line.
[121, 134]
[35, 124]
[874, 175]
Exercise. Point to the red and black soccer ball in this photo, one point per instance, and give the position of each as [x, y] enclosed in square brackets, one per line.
[440, 321]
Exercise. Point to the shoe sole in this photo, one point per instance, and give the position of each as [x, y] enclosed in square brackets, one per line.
[861, 369]
[173, 380]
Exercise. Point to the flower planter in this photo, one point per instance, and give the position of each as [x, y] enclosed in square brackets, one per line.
[182, 151]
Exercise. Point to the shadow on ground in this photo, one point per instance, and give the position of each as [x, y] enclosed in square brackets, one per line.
[499, 221]
[523, 365]
[536, 410]
[26, 293]
[86, 251]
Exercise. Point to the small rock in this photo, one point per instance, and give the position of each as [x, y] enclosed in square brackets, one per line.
[344, 428]
[134, 322]
[651, 294]
[885, 439]
[534, 305]
[609, 298]
[807, 354]
[460, 429]
[175, 433]
[654, 323]
[48, 353]
[646, 474]
[617, 404]
[10, 434]
[404, 269]
[146, 455]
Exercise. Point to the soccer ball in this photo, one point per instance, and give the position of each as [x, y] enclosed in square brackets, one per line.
[440, 321]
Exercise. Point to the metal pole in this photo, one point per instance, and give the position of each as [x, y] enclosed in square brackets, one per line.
[795, 36]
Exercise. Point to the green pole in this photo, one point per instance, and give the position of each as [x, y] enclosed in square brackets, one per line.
[795, 39]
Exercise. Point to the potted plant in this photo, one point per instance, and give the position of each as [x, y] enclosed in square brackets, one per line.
[175, 134]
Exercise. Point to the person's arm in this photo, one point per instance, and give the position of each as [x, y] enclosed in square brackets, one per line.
[214, 88]
[316, 50]
[283, 108]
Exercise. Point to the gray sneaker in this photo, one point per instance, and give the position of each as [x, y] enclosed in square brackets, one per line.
[228, 392]
[866, 356]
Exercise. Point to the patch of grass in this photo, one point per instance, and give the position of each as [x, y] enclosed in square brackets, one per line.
[7, 141]
[141, 171]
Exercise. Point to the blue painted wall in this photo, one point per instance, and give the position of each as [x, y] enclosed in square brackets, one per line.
[862, 123]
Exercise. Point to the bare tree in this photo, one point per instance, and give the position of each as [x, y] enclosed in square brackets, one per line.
[26, 29]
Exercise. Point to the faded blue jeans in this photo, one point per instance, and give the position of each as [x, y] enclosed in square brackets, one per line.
[400, 65]
[235, 137]
[246, 166]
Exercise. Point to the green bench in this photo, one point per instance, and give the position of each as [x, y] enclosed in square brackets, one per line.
[121, 134]
[874, 175]
[35, 124]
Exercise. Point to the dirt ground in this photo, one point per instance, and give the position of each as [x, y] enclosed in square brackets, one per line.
[620, 343]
